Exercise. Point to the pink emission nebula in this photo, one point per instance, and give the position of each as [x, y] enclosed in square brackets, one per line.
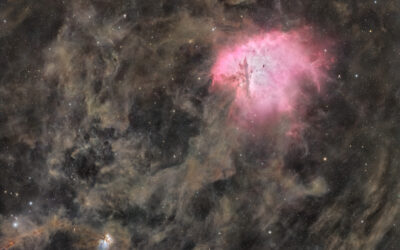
[266, 73]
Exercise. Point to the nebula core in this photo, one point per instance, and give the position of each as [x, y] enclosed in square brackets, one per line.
[267, 70]
[199, 125]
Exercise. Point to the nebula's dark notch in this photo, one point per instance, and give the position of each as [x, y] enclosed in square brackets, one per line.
[112, 135]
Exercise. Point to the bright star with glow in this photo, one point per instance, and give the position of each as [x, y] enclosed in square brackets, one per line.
[105, 243]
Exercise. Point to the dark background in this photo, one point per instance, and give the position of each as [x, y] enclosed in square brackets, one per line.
[107, 126]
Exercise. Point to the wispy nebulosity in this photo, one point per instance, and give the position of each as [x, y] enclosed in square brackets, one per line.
[127, 124]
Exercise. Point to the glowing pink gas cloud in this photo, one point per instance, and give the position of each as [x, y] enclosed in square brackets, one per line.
[267, 70]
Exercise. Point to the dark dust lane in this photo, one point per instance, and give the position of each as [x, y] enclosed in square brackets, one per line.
[202, 124]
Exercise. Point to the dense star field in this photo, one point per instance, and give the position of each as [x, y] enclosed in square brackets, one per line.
[201, 124]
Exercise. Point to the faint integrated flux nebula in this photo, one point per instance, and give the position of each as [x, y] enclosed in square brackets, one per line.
[266, 72]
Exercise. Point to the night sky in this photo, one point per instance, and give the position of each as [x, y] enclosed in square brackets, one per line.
[201, 124]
